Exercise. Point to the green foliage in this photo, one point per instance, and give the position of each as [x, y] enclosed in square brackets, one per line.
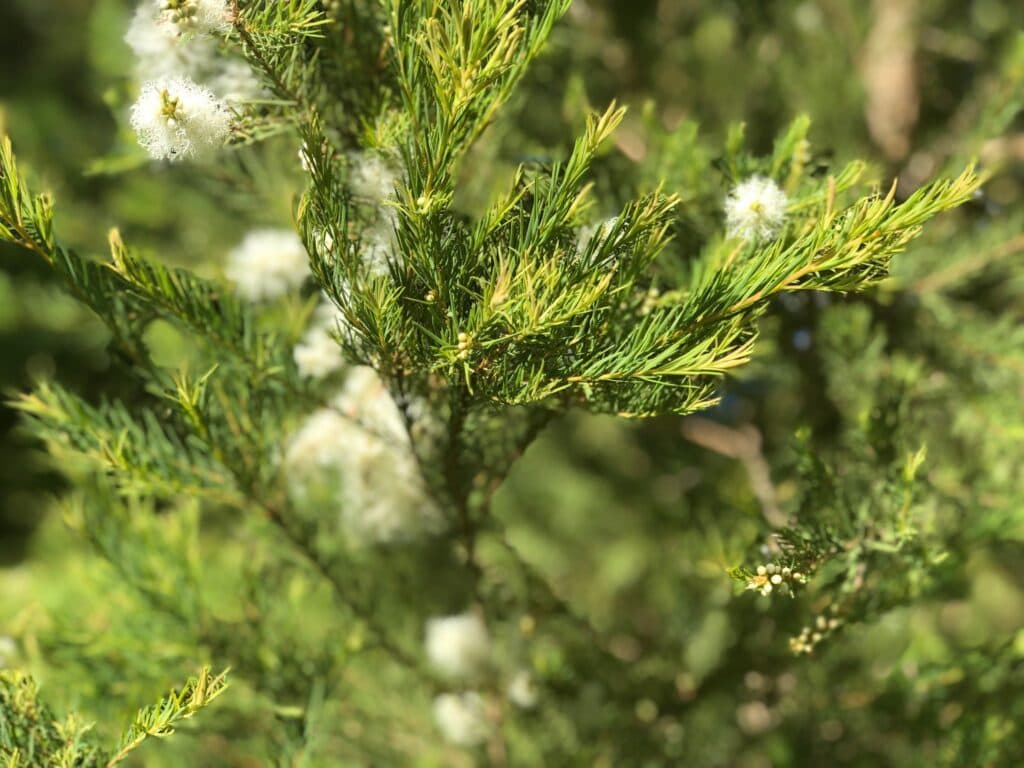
[161, 719]
[31, 736]
[856, 455]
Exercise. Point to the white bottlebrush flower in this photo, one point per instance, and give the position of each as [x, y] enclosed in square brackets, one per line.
[318, 354]
[755, 209]
[372, 176]
[458, 646]
[176, 118]
[378, 249]
[159, 49]
[361, 444]
[462, 718]
[162, 50]
[318, 444]
[427, 426]
[522, 690]
[366, 400]
[195, 16]
[234, 80]
[268, 263]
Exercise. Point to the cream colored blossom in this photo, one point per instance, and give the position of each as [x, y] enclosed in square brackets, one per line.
[755, 209]
[462, 718]
[176, 118]
[268, 263]
[458, 646]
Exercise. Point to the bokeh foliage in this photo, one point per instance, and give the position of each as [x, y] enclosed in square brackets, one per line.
[887, 425]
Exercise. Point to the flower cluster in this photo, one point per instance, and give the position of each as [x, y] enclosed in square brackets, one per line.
[809, 637]
[174, 43]
[522, 690]
[198, 16]
[773, 578]
[159, 49]
[462, 718]
[267, 264]
[175, 118]
[372, 176]
[360, 449]
[318, 354]
[464, 346]
[459, 647]
[755, 209]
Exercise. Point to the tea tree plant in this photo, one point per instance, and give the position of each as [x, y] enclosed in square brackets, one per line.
[308, 497]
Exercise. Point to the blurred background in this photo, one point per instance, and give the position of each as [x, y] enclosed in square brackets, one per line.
[639, 521]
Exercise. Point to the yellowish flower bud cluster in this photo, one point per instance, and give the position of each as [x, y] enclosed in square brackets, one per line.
[809, 637]
[773, 578]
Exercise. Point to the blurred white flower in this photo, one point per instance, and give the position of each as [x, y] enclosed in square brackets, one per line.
[318, 354]
[234, 80]
[366, 400]
[755, 209]
[197, 16]
[175, 118]
[522, 690]
[458, 646]
[159, 48]
[318, 443]
[268, 263]
[163, 51]
[372, 176]
[462, 718]
[427, 426]
[378, 249]
[361, 444]
[8, 650]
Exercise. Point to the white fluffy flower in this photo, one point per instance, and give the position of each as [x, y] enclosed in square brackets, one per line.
[234, 80]
[458, 646]
[318, 443]
[755, 209]
[198, 16]
[366, 400]
[361, 443]
[378, 249]
[462, 718]
[372, 176]
[427, 426]
[522, 690]
[174, 118]
[160, 50]
[318, 354]
[268, 263]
